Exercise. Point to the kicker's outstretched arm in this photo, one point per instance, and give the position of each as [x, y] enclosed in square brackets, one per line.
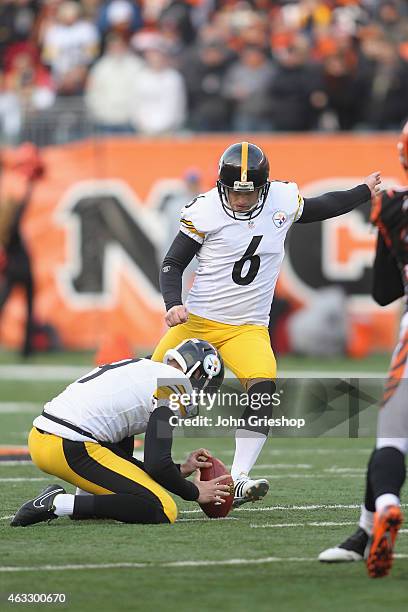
[334, 203]
[337, 203]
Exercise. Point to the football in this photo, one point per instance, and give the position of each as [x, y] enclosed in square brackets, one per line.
[217, 509]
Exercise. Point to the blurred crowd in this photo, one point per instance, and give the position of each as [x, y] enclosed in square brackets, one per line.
[164, 66]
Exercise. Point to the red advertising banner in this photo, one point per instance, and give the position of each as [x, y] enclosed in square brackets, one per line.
[100, 219]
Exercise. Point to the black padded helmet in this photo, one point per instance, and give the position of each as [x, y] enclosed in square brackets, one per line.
[243, 167]
[200, 362]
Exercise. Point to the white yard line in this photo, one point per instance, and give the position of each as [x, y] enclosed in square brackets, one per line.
[66, 372]
[206, 519]
[262, 466]
[293, 508]
[314, 524]
[308, 507]
[282, 476]
[199, 563]
[155, 566]
[23, 479]
[346, 470]
[334, 469]
[18, 407]
[21, 462]
[297, 451]
[283, 466]
[268, 509]
[42, 372]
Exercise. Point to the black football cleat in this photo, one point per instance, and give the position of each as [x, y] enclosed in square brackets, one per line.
[39, 509]
[352, 549]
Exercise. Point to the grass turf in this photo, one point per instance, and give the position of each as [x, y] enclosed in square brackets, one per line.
[302, 472]
[306, 472]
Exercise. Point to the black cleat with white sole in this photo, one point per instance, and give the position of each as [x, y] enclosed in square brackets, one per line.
[39, 509]
[352, 549]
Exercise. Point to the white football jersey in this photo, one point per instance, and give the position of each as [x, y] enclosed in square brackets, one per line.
[113, 401]
[239, 261]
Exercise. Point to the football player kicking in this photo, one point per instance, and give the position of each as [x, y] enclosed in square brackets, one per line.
[381, 514]
[84, 436]
[237, 231]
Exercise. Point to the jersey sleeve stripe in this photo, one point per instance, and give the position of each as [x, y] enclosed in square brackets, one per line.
[299, 208]
[187, 222]
[181, 389]
[175, 389]
[193, 235]
[192, 229]
[165, 391]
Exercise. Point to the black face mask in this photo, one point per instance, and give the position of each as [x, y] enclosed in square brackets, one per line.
[242, 215]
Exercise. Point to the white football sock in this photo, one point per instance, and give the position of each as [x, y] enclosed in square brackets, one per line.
[79, 491]
[64, 504]
[248, 445]
[388, 499]
[366, 521]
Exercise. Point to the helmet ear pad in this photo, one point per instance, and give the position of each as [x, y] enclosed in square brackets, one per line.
[174, 355]
[200, 362]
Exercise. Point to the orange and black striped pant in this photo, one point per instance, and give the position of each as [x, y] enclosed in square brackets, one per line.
[392, 426]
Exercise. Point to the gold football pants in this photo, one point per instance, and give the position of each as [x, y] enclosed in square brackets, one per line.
[245, 349]
[97, 469]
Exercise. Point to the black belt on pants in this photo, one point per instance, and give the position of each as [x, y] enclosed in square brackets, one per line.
[51, 417]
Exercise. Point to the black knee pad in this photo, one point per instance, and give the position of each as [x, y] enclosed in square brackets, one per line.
[386, 471]
[259, 410]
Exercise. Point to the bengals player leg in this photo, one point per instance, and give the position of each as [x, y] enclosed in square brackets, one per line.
[381, 515]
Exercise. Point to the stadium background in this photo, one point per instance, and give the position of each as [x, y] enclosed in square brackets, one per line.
[333, 81]
[87, 82]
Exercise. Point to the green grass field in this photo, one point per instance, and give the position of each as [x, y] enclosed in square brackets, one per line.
[262, 557]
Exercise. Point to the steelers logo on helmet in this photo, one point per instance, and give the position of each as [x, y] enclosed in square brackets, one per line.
[243, 168]
[211, 365]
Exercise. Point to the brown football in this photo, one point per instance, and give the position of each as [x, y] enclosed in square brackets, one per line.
[217, 509]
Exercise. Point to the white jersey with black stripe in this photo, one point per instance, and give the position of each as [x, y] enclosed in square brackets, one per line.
[114, 401]
[239, 261]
